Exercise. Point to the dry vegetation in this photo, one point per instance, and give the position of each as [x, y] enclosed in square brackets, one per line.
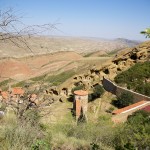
[44, 45]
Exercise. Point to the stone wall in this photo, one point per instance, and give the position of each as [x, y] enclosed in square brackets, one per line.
[109, 86]
[117, 90]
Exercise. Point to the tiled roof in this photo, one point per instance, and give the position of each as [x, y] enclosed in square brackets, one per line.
[146, 108]
[17, 90]
[130, 107]
[4, 94]
[81, 92]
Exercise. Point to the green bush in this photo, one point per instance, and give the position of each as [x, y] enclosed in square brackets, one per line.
[143, 88]
[125, 99]
[97, 91]
[139, 117]
[136, 78]
[135, 133]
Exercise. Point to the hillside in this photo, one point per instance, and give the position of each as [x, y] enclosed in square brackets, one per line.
[24, 68]
[121, 62]
[130, 43]
[55, 63]
[44, 45]
[51, 114]
[50, 54]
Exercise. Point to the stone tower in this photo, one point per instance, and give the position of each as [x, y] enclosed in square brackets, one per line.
[80, 103]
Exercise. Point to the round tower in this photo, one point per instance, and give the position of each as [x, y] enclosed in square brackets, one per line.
[80, 103]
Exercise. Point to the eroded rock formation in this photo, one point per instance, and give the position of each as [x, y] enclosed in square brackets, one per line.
[121, 62]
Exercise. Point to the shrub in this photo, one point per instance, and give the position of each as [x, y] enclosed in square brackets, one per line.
[139, 117]
[40, 145]
[3, 106]
[125, 99]
[110, 110]
[97, 91]
[32, 116]
[18, 136]
[79, 87]
[135, 133]
[136, 77]
[143, 88]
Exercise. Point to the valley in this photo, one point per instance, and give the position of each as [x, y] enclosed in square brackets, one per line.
[48, 81]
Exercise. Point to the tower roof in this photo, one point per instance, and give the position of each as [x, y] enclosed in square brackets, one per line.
[81, 92]
[18, 90]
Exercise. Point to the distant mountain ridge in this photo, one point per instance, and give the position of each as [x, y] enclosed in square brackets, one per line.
[130, 43]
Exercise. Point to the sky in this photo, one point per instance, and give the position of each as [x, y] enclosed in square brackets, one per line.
[107, 19]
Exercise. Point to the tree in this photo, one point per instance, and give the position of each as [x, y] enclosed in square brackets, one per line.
[125, 99]
[14, 30]
[97, 91]
[146, 32]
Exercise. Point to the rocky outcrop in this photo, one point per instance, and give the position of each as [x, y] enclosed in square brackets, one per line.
[124, 60]
[121, 62]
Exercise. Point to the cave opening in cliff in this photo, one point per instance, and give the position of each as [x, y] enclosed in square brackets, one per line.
[134, 57]
[106, 71]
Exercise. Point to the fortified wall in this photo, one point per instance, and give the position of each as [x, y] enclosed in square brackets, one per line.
[117, 90]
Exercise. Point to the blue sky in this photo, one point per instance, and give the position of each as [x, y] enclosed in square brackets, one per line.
[91, 18]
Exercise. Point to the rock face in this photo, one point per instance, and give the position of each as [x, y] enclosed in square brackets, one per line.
[121, 62]
[124, 60]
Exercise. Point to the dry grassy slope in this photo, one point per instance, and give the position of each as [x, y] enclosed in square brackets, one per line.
[44, 45]
[24, 68]
[50, 55]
